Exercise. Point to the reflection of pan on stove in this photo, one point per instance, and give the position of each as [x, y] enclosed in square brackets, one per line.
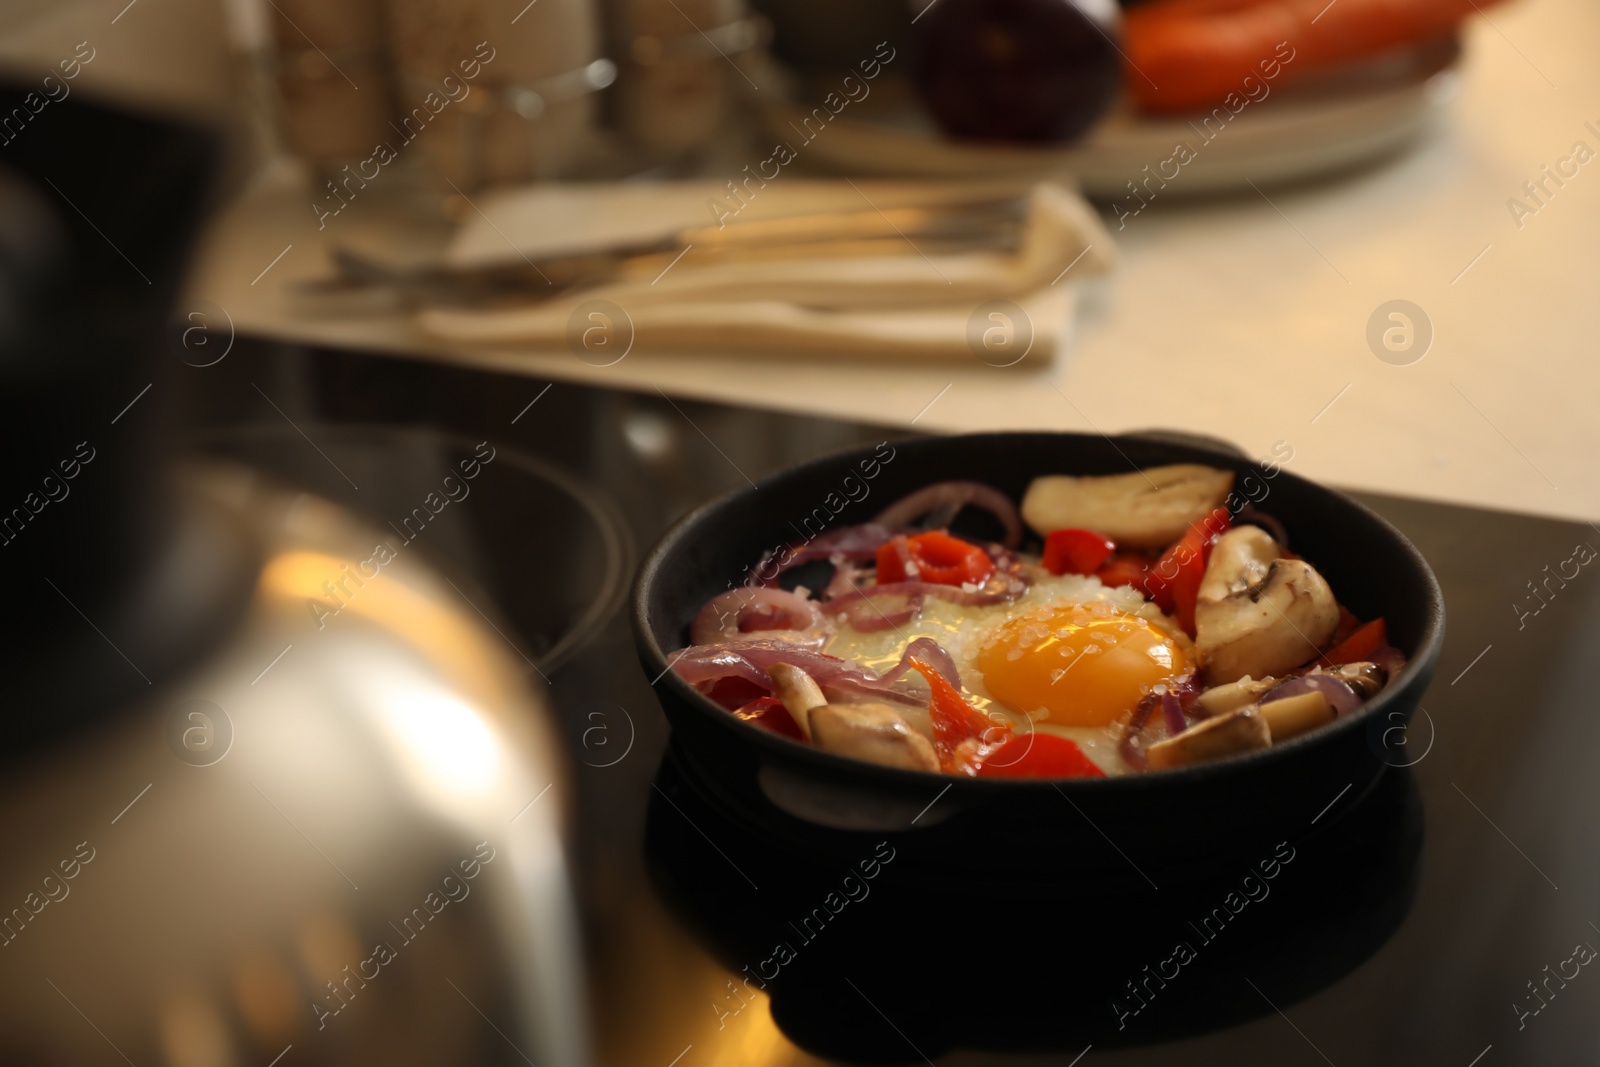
[871, 962]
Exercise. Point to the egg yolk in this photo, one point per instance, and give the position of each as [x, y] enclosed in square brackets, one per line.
[1081, 665]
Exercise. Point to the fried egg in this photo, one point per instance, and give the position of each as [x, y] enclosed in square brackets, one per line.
[1070, 656]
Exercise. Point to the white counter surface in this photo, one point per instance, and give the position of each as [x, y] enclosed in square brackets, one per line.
[1239, 317]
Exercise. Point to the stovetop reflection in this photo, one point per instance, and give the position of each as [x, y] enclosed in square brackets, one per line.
[1041, 966]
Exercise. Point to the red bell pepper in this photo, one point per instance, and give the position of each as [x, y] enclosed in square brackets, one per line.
[770, 713]
[1038, 756]
[1076, 551]
[1348, 624]
[1359, 645]
[937, 558]
[1174, 581]
[733, 692]
[1124, 568]
[956, 721]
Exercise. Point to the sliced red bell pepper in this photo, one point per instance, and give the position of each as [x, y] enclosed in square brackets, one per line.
[954, 720]
[937, 557]
[1359, 645]
[1038, 756]
[1124, 568]
[1076, 551]
[734, 692]
[1174, 581]
[770, 712]
[1348, 624]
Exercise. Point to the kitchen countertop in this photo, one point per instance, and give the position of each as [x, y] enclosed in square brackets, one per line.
[1241, 316]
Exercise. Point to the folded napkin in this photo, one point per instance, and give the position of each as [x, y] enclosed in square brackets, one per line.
[886, 298]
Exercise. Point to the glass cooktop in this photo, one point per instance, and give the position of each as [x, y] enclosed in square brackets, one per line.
[1449, 916]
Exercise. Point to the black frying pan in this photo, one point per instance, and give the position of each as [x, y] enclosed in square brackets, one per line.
[1109, 831]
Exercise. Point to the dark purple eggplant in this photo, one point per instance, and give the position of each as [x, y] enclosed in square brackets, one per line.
[1018, 70]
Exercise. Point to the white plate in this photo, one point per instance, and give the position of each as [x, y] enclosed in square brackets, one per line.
[1296, 132]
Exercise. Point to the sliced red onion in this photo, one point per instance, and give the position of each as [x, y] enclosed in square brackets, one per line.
[856, 543]
[1391, 659]
[999, 588]
[952, 497]
[1335, 691]
[845, 576]
[1010, 569]
[868, 615]
[1268, 522]
[739, 614]
[1131, 746]
[704, 664]
[1172, 711]
[1186, 688]
[1004, 558]
[930, 652]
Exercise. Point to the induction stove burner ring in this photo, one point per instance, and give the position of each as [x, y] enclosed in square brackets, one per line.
[544, 514]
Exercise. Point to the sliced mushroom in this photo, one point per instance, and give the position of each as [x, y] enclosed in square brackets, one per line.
[1145, 509]
[1296, 715]
[799, 693]
[1224, 698]
[1258, 614]
[1367, 679]
[1240, 730]
[872, 732]
[1238, 560]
